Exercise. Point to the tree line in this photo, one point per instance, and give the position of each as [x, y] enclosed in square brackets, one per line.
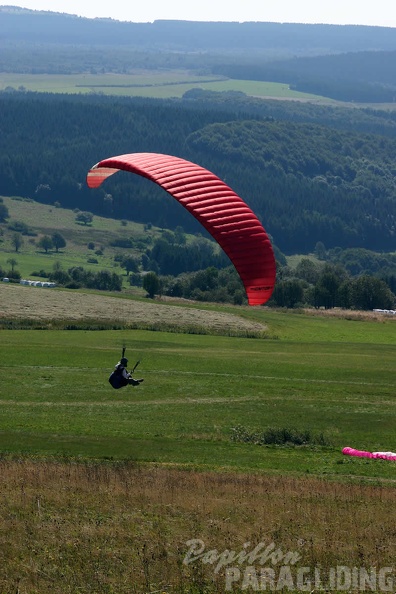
[332, 287]
[197, 269]
[320, 282]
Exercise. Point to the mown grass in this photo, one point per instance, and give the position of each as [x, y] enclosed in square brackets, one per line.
[196, 390]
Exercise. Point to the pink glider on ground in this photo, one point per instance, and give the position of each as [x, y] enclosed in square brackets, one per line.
[363, 454]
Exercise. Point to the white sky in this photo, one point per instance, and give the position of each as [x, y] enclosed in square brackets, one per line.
[342, 12]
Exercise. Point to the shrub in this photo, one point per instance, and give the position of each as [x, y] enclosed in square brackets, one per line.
[278, 436]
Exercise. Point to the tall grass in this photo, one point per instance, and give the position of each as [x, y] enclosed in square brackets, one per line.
[69, 527]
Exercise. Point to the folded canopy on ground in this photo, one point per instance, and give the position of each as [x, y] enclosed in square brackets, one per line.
[363, 454]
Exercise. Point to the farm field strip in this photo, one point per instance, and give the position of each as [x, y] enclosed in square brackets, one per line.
[161, 86]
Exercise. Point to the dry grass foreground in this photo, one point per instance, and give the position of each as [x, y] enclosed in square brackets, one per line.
[68, 527]
[37, 303]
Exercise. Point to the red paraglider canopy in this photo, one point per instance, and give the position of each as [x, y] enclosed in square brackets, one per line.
[215, 205]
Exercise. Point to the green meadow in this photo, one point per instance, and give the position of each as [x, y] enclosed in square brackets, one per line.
[328, 377]
[43, 219]
[159, 85]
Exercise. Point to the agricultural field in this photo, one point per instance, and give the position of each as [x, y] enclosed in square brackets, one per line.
[158, 85]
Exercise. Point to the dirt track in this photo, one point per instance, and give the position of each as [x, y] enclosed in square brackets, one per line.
[37, 303]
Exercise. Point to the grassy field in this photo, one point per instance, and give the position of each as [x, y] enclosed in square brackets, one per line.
[45, 219]
[103, 491]
[158, 85]
[321, 374]
[161, 85]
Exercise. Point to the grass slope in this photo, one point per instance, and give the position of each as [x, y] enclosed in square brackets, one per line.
[45, 219]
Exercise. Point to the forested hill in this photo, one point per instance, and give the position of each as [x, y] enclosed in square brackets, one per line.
[354, 76]
[41, 27]
[307, 182]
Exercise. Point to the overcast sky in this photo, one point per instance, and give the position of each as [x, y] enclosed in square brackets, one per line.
[342, 12]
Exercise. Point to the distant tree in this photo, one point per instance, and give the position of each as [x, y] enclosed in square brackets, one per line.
[370, 292]
[17, 241]
[58, 241]
[320, 250]
[12, 262]
[19, 227]
[84, 217]
[3, 212]
[60, 276]
[14, 275]
[135, 279]
[344, 294]
[151, 284]
[326, 289]
[106, 281]
[130, 264]
[45, 243]
[180, 236]
[307, 270]
[57, 266]
[288, 293]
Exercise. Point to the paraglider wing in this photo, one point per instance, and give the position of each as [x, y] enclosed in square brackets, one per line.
[215, 205]
[374, 455]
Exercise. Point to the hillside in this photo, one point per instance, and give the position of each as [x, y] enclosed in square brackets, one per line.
[311, 172]
[347, 63]
[306, 182]
[32, 27]
[40, 242]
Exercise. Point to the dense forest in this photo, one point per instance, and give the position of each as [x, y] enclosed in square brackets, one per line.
[307, 182]
[367, 77]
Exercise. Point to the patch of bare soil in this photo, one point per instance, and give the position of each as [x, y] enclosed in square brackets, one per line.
[18, 302]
